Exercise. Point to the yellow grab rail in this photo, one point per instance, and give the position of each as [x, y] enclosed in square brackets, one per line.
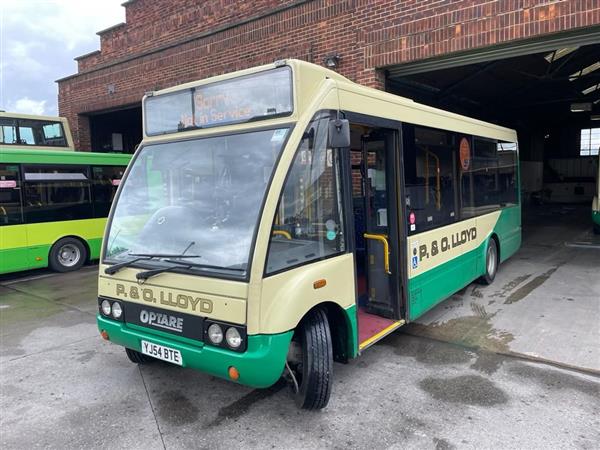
[386, 249]
[282, 233]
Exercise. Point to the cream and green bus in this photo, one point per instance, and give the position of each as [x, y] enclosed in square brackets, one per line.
[277, 219]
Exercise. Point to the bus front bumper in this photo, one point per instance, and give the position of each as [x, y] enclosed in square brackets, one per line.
[260, 366]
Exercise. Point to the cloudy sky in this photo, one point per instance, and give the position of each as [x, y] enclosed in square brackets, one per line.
[38, 41]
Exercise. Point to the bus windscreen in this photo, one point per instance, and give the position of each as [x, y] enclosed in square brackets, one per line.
[257, 96]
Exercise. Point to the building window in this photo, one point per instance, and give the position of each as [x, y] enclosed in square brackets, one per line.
[590, 141]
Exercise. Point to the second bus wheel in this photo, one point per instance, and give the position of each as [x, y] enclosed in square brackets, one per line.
[67, 254]
[313, 361]
[137, 357]
[491, 262]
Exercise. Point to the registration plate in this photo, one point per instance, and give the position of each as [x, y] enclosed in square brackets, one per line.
[161, 352]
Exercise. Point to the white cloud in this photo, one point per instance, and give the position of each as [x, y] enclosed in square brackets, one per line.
[21, 56]
[38, 41]
[26, 105]
[70, 22]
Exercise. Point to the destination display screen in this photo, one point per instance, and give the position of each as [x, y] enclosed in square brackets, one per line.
[257, 96]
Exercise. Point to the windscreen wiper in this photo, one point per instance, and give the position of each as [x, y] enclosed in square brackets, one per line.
[143, 276]
[203, 266]
[145, 257]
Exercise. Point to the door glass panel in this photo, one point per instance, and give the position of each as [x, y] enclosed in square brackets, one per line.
[376, 186]
[10, 195]
[375, 221]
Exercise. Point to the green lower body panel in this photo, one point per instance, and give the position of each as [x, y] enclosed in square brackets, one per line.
[596, 218]
[260, 366]
[13, 259]
[352, 327]
[95, 246]
[435, 285]
[430, 288]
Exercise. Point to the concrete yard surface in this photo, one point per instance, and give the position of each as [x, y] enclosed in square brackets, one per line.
[511, 365]
[544, 302]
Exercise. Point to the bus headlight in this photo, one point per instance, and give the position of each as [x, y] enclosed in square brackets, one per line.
[105, 305]
[234, 340]
[215, 333]
[116, 310]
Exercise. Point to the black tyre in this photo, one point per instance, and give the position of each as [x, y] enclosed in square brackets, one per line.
[596, 228]
[137, 357]
[67, 254]
[315, 364]
[491, 262]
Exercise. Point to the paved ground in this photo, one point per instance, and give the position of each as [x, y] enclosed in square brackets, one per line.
[545, 301]
[63, 387]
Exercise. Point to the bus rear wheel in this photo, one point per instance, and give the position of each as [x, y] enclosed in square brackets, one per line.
[67, 254]
[491, 262]
[137, 357]
[314, 362]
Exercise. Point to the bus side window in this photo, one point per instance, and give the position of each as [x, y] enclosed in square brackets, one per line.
[105, 181]
[55, 193]
[8, 131]
[507, 174]
[429, 173]
[308, 224]
[490, 182]
[11, 210]
[26, 135]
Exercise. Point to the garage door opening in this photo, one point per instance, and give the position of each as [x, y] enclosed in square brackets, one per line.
[116, 131]
[552, 99]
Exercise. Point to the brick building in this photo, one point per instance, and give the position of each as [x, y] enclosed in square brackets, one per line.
[521, 63]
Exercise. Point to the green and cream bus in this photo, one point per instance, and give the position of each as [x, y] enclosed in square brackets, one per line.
[53, 206]
[280, 218]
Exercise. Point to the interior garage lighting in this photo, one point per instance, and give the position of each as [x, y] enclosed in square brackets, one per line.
[581, 107]
[591, 89]
[586, 70]
[557, 54]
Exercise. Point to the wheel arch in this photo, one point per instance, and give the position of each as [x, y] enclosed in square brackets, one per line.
[343, 333]
[495, 237]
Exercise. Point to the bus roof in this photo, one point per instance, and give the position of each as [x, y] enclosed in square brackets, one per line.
[12, 115]
[309, 78]
[29, 156]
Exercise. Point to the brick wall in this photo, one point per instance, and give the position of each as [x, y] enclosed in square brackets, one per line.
[166, 42]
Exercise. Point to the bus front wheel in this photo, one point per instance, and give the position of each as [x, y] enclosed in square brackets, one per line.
[137, 357]
[314, 362]
[67, 254]
[491, 262]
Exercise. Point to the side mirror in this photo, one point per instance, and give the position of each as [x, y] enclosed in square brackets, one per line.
[339, 133]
